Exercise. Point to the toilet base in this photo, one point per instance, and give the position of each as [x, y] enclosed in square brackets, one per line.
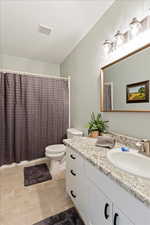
[56, 167]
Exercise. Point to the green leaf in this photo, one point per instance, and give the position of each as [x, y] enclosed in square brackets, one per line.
[96, 123]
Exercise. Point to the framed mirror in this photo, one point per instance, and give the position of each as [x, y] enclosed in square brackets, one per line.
[125, 83]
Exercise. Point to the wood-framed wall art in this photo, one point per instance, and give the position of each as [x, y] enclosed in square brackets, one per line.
[137, 92]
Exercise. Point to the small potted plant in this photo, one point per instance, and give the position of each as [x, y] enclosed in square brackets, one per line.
[97, 125]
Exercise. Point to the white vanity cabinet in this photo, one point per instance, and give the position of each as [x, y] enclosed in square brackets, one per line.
[99, 199]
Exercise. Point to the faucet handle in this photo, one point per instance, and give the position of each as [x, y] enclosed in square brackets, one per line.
[146, 146]
[140, 145]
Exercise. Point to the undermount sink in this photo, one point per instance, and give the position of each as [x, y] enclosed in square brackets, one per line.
[131, 162]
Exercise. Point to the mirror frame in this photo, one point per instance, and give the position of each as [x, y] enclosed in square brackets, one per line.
[102, 80]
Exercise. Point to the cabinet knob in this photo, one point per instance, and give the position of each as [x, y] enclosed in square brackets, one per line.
[72, 172]
[115, 218]
[72, 156]
[105, 211]
[72, 194]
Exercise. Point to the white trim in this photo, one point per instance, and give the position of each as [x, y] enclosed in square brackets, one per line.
[138, 42]
[112, 93]
[33, 74]
[69, 80]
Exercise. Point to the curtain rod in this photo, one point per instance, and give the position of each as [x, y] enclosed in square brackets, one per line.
[34, 74]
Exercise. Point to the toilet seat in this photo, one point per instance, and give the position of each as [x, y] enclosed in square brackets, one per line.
[55, 149]
[55, 156]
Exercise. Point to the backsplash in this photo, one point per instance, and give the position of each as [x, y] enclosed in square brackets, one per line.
[131, 142]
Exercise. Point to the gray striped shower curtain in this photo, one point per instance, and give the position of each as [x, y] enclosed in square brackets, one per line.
[33, 114]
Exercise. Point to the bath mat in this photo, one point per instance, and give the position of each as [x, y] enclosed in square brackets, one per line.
[36, 174]
[68, 217]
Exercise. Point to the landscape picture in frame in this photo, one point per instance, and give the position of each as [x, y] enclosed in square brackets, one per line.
[137, 92]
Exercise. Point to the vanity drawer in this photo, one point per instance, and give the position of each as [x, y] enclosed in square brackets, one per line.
[72, 178]
[74, 161]
[77, 194]
[72, 191]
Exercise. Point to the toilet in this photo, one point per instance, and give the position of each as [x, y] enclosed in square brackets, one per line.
[56, 153]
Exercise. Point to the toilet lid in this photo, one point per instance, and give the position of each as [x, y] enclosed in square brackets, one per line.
[55, 148]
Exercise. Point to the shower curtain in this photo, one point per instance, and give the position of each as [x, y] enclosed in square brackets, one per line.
[33, 114]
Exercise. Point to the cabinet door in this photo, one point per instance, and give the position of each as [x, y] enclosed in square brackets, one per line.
[99, 207]
[119, 218]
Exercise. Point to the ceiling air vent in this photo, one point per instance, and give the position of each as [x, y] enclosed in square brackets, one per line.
[44, 29]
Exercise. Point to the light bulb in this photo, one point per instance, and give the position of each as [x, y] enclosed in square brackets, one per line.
[135, 26]
[119, 39]
[107, 46]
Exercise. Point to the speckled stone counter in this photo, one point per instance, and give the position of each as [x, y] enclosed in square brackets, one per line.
[137, 186]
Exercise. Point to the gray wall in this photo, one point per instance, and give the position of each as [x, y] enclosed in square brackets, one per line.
[83, 65]
[28, 65]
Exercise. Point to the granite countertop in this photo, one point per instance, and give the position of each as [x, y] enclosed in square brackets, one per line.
[137, 186]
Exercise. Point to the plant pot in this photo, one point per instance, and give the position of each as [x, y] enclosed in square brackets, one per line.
[94, 134]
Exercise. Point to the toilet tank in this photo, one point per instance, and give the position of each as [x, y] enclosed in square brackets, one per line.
[72, 132]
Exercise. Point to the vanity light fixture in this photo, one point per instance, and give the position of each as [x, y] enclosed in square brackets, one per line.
[118, 39]
[107, 46]
[135, 26]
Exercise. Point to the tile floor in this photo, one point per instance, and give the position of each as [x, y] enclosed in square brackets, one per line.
[21, 205]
